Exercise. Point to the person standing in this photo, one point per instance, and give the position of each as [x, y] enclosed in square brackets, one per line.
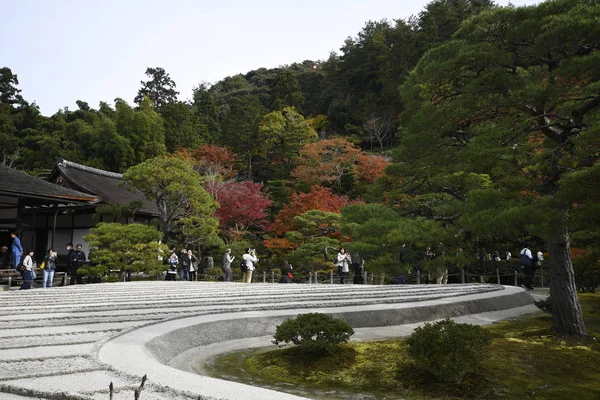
[49, 268]
[527, 264]
[286, 273]
[250, 259]
[16, 250]
[184, 266]
[227, 260]
[172, 262]
[77, 260]
[26, 272]
[343, 262]
[193, 265]
[70, 252]
[4, 258]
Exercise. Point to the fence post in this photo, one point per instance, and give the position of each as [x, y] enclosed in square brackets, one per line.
[264, 277]
[462, 276]
[272, 276]
[366, 277]
[498, 275]
[418, 277]
[516, 278]
[331, 277]
[480, 278]
[542, 275]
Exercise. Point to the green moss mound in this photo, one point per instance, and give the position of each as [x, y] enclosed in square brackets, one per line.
[524, 360]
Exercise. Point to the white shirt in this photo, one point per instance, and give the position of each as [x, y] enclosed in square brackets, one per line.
[343, 260]
[250, 260]
[527, 252]
[540, 256]
[28, 262]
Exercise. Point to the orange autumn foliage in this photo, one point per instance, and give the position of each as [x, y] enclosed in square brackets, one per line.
[370, 168]
[319, 198]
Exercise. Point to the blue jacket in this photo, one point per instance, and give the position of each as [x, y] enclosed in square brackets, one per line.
[16, 247]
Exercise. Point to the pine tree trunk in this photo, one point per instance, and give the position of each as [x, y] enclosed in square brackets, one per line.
[567, 318]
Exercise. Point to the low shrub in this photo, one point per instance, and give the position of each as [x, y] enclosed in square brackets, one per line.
[313, 333]
[545, 305]
[448, 350]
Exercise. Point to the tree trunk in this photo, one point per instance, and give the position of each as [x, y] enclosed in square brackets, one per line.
[567, 318]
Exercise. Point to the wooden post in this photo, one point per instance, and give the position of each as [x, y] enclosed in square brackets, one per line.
[9, 282]
[498, 275]
[516, 278]
[480, 278]
[542, 275]
[331, 277]
[462, 276]
[418, 277]
[366, 277]
[272, 276]
[264, 276]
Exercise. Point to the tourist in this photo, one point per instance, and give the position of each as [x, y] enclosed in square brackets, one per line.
[70, 252]
[508, 256]
[358, 266]
[286, 273]
[527, 264]
[26, 273]
[184, 265]
[227, 260]
[49, 268]
[540, 258]
[250, 259]
[193, 265]
[4, 258]
[16, 250]
[77, 260]
[172, 262]
[343, 262]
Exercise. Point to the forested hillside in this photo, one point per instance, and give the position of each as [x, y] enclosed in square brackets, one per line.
[469, 128]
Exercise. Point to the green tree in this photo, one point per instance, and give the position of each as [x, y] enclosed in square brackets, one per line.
[282, 134]
[185, 206]
[287, 92]
[240, 128]
[514, 97]
[160, 89]
[183, 128]
[131, 247]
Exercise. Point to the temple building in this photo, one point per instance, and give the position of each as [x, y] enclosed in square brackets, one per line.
[62, 210]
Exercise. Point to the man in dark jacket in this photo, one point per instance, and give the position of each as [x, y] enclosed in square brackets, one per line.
[77, 260]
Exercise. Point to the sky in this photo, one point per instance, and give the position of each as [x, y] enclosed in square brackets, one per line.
[92, 50]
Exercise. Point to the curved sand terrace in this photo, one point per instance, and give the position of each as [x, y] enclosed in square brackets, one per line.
[71, 342]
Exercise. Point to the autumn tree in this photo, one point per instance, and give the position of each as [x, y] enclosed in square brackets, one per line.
[243, 206]
[326, 162]
[319, 198]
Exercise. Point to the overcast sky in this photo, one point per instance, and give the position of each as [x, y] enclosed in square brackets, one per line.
[98, 50]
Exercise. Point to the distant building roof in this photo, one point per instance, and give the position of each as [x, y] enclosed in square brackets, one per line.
[110, 187]
[19, 184]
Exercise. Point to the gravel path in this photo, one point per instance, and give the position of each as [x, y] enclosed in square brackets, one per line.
[50, 339]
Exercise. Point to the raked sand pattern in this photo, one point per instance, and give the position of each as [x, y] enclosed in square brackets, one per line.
[71, 342]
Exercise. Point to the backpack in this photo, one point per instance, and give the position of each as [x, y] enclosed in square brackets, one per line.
[524, 260]
[243, 266]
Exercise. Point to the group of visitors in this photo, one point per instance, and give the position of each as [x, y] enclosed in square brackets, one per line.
[24, 263]
[186, 264]
[345, 264]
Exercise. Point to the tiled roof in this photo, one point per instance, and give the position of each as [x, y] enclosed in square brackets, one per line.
[108, 186]
[17, 183]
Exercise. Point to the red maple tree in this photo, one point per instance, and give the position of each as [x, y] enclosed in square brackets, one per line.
[243, 206]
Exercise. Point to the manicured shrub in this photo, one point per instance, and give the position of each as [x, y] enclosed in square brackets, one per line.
[448, 350]
[313, 333]
[545, 305]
